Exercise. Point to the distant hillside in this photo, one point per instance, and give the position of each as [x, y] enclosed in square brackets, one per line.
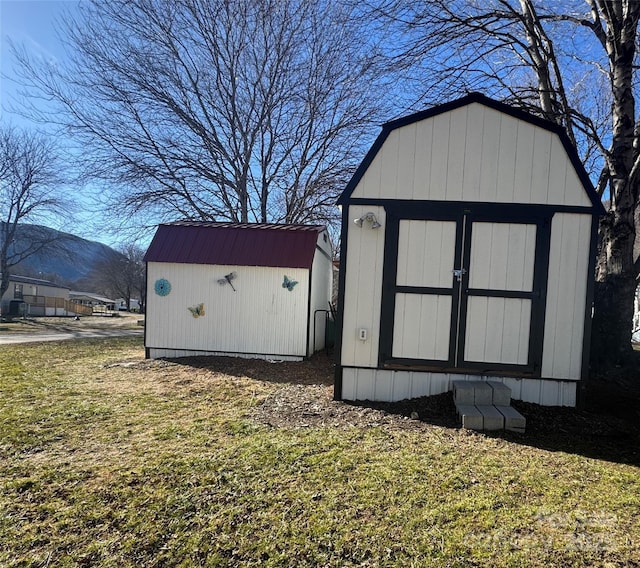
[70, 260]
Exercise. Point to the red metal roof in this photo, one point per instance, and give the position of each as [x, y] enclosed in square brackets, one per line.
[192, 242]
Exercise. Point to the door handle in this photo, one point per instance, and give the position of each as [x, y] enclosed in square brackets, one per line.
[459, 273]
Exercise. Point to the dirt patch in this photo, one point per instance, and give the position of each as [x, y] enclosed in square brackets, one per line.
[304, 398]
[303, 406]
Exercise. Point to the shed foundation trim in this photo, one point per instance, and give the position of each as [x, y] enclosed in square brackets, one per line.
[158, 353]
[390, 386]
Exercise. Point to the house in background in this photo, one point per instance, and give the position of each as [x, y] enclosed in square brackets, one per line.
[96, 303]
[471, 257]
[35, 297]
[121, 305]
[247, 290]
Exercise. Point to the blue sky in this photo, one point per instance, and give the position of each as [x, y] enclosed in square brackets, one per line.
[32, 24]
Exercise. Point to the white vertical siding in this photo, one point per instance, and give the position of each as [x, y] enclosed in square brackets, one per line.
[260, 317]
[391, 386]
[155, 353]
[502, 256]
[523, 165]
[473, 156]
[363, 288]
[489, 150]
[457, 154]
[421, 326]
[540, 176]
[407, 157]
[321, 283]
[437, 188]
[426, 253]
[497, 330]
[421, 168]
[473, 153]
[566, 296]
[389, 176]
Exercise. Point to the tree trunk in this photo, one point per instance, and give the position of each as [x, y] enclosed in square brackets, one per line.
[613, 297]
[616, 273]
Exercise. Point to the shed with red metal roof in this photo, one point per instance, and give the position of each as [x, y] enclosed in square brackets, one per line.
[248, 290]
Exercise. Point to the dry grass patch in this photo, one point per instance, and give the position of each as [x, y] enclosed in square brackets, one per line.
[40, 325]
[110, 460]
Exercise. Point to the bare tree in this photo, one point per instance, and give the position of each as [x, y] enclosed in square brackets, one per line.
[29, 192]
[123, 275]
[243, 110]
[571, 62]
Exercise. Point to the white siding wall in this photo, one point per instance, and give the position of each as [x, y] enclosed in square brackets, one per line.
[177, 353]
[473, 153]
[566, 296]
[261, 317]
[497, 330]
[321, 288]
[384, 385]
[50, 291]
[363, 288]
[421, 326]
[502, 256]
[35, 290]
[426, 253]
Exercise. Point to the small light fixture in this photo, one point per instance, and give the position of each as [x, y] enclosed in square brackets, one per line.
[370, 218]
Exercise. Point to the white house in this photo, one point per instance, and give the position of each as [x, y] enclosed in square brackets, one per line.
[472, 256]
[249, 290]
[34, 297]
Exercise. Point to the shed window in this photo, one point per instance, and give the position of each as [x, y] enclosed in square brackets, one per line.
[17, 292]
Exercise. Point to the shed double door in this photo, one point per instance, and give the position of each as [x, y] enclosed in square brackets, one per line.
[467, 292]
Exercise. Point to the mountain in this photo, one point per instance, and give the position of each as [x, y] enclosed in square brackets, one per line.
[70, 259]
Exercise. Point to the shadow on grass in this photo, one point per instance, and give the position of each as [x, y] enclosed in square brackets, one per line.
[607, 426]
[318, 370]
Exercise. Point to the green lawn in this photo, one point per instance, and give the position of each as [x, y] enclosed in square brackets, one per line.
[109, 460]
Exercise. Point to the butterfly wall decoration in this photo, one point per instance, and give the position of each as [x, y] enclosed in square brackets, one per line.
[288, 283]
[227, 280]
[197, 311]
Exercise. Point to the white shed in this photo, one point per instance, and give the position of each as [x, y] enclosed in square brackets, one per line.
[247, 290]
[472, 256]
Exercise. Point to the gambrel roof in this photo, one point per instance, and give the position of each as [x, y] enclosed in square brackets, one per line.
[476, 98]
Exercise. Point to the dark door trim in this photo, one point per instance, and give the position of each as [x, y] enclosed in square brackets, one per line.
[465, 214]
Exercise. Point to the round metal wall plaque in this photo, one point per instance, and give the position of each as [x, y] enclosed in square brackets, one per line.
[162, 287]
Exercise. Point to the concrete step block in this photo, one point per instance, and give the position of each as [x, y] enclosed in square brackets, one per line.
[463, 392]
[482, 393]
[492, 418]
[472, 418]
[501, 393]
[513, 420]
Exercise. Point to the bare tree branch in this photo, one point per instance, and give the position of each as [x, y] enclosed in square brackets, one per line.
[252, 110]
[29, 192]
[570, 62]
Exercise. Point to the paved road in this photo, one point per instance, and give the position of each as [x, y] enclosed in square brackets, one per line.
[6, 339]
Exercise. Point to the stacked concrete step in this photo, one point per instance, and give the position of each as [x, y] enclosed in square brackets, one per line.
[486, 405]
